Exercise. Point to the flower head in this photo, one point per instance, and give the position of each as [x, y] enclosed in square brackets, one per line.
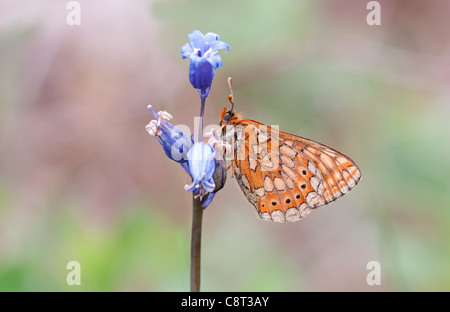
[204, 55]
[174, 142]
[201, 166]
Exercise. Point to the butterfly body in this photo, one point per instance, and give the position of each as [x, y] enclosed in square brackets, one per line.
[283, 175]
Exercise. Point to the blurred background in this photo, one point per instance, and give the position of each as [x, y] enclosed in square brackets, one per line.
[81, 179]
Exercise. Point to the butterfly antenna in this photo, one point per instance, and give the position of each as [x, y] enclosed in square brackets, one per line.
[230, 97]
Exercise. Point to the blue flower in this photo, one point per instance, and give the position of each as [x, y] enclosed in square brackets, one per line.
[204, 55]
[174, 142]
[201, 165]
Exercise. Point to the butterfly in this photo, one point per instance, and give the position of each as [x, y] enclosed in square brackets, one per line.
[283, 175]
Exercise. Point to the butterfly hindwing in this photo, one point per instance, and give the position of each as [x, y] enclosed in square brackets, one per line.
[285, 176]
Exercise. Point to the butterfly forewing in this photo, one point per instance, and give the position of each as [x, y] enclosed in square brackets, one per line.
[285, 176]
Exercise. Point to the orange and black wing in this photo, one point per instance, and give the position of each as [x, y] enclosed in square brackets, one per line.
[285, 176]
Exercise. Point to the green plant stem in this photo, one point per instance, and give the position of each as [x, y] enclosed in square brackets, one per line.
[200, 122]
[197, 215]
[196, 237]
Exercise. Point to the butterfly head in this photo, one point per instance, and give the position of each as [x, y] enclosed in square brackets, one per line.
[226, 116]
[229, 116]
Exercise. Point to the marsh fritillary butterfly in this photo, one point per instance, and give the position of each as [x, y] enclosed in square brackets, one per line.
[283, 175]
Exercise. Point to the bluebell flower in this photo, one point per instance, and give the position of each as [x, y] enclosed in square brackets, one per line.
[201, 165]
[174, 142]
[203, 51]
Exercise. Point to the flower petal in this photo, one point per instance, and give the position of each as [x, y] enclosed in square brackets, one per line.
[197, 41]
[201, 165]
[215, 60]
[219, 45]
[210, 37]
[201, 75]
[190, 187]
[185, 167]
[174, 142]
[201, 156]
[209, 199]
[186, 50]
[149, 107]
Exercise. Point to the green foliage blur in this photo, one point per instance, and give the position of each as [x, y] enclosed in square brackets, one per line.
[80, 179]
